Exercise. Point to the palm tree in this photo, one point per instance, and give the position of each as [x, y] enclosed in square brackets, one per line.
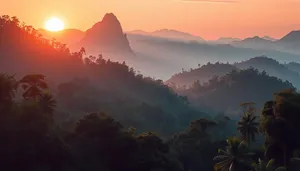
[47, 103]
[269, 166]
[236, 157]
[33, 85]
[248, 127]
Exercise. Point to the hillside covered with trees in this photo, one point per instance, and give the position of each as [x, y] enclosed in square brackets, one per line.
[63, 111]
[225, 93]
[33, 141]
[89, 84]
[204, 73]
[272, 67]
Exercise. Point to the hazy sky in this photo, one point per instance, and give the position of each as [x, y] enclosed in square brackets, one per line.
[209, 19]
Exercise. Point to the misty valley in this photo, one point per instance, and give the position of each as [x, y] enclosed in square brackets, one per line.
[109, 100]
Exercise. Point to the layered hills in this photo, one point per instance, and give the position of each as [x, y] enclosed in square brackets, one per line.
[91, 83]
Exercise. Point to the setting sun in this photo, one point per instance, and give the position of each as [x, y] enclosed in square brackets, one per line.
[54, 24]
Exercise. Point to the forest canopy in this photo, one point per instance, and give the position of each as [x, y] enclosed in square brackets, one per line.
[63, 111]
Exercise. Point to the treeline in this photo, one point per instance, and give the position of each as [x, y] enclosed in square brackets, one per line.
[202, 74]
[207, 71]
[273, 68]
[225, 93]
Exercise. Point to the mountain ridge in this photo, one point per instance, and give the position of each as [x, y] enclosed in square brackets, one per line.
[168, 33]
[106, 35]
[261, 63]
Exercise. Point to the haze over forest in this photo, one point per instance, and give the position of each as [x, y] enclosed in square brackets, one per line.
[161, 100]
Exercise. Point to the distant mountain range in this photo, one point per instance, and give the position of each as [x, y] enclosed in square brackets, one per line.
[288, 43]
[170, 34]
[170, 50]
[292, 37]
[108, 35]
[269, 38]
[226, 40]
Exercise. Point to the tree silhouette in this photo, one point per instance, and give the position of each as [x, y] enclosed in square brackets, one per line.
[280, 126]
[267, 166]
[236, 157]
[47, 103]
[248, 127]
[33, 86]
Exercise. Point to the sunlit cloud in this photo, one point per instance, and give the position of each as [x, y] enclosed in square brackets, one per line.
[211, 1]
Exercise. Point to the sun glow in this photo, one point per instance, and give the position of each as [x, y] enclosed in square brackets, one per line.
[54, 24]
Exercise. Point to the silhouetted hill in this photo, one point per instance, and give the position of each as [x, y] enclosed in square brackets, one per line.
[255, 43]
[223, 52]
[170, 56]
[256, 39]
[289, 72]
[107, 36]
[201, 74]
[227, 92]
[67, 36]
[226, 40]
[272, 67]
[170, 34]
[292, 37]
[290, 42]
[23, 49]
[141, 32]
[269, 38]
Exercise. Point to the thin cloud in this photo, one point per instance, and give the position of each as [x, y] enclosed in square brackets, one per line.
[211, 1]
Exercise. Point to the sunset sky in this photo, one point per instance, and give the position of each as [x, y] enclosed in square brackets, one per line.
[209, 19]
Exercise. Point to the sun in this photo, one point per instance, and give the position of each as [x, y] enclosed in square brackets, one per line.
[54, 24]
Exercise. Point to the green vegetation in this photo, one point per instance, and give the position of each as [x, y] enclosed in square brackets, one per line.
[235, 157]
[87, 84]
[105, 116]
[227, 92]
[202, 74]
[273, 68]
[32, 141]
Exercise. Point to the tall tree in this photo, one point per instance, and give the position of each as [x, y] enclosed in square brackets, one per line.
[47, 103]
[248, 127]
[236, 157]
[280, 126]
[33, 86]
[267, 166]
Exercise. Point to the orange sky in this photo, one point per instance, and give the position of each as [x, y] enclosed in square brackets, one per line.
[208, 19]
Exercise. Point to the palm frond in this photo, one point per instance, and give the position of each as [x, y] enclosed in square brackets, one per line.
[281, 169]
